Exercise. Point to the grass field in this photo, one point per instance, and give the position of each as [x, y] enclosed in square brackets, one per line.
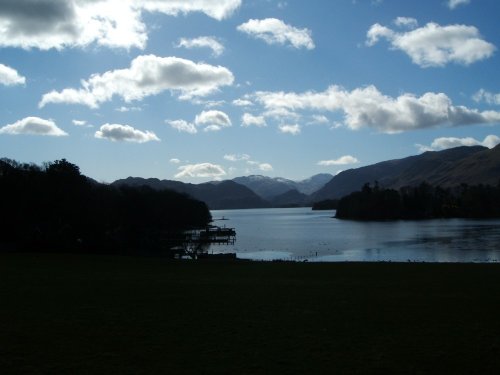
[77, 314]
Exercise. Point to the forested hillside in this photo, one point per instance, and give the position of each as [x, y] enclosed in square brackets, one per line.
[55, 208]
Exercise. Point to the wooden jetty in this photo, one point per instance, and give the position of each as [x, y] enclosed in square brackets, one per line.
[196, 242]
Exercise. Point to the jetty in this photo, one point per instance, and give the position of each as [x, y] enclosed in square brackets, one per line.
[196, 242]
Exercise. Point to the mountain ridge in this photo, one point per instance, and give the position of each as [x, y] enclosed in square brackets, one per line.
[446, 168]
[272, 187]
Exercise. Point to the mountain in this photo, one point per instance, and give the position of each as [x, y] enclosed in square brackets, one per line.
[217, 195]
[471, 165]
[266, 187]
[292, 198]
[313, 184]
[269, 188]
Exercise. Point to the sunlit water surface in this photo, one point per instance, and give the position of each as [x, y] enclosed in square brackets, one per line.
[302, 234]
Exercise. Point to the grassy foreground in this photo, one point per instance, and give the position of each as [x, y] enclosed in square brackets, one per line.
[77, 314]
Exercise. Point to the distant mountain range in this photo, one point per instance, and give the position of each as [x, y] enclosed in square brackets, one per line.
[471, 165]
[270, 188]
[217, 195]
[242, 192]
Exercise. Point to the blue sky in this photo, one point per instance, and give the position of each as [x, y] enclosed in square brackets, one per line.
[214, 89]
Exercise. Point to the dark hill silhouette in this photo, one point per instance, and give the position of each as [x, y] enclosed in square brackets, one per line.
[471, 165]
[56, 208]
[216, 194]
[292, 198]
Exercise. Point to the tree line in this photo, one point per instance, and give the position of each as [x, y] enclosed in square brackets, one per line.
[421, 202]
[53, 207]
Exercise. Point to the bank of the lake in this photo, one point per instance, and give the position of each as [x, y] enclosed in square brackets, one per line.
[303, 234]
[79, 314]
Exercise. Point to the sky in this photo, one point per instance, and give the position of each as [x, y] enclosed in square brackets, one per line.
[200, 90]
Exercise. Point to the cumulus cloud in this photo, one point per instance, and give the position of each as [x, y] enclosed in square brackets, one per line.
[213, 120]
[47, 24]
[202, 170]
[128, 109]
[203, 42]
[217, 9]
[174, 161]
[289, 129]
[125, 133]
[452, 4]
[486, 96]
[33, 126]
[242, 103]
[79, 122]
[265, 167]
[147, 75]
[433, 45]
[343, 160]
[182, 126]
[275, 31]
[319, 119]
[248, 120]
[236, 157]
[281, 114]
[10, 76]
[444, 143]
[82, 123]
[368, 107]
[408, 22]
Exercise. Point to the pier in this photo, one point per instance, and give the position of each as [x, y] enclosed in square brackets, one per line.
[196, 242]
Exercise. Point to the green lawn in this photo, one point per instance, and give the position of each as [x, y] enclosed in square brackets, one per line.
[77, 314]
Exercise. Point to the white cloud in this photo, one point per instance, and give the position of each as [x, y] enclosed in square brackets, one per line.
[236, 157]
[217, 9]
[444, 143]
[265, 167]
[452, 4]
[368, 107]
[203, 42]
[343, 160]
[47, 24]
[10, 76]
[174, 161]
[182, 126]
[242, 103]
[275, 31]
[433, 45]
[33, 126]
[488, 97]
[281, 114]
[319, 119]
[125, 133]
[82, 123]
[290, 129]
[202, 170]
[79, 122]
[408, 22]
[212, 128]
[147, 75]
[128, 109]
[248, 120]
[213, 117]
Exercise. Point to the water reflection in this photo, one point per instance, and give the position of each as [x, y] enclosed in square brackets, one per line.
[302, 234]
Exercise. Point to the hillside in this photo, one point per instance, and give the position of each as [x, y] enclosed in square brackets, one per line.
[217, 195]
[471, 165]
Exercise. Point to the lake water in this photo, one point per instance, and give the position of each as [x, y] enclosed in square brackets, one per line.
[303, 234]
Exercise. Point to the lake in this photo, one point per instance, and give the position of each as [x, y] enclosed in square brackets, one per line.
[302, 234]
